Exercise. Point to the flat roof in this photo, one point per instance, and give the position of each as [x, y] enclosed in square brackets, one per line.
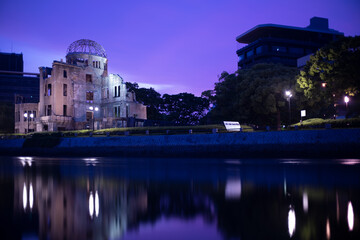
[282, 31]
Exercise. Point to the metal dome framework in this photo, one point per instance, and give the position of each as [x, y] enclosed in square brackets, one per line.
[86, 46]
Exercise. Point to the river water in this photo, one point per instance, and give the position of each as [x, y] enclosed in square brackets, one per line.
[146, 198]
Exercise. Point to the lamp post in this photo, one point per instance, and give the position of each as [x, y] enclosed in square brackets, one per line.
[288, 94]
[93, 110]
[28, 116]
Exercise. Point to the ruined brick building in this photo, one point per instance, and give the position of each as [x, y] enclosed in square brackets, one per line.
[80, 94]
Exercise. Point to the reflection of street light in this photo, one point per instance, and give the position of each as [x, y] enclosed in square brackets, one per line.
[91, 108]
[350, 216]
[291, 221]
[28, 119]
[289, 95]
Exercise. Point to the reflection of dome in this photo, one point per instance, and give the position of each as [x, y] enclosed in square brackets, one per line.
[86, 46]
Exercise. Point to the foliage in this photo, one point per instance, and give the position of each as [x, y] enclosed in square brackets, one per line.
[335, 123]
[184, 108]
[150, 98]
[337, 66]
[255, 95]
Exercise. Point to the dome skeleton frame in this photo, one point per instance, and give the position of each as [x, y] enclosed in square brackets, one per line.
[86, 46]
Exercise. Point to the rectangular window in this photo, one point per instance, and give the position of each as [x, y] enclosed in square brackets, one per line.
[34, 112]
[65, 74]
[127, 111]
[48, 110]
[250, 53]
[89, 96]
[298, 51]
[241, 57]
[49, 90]
[115, 93]
[279, 49]
[65, 89]
[93, 63]
[107, 92]
[89, 116]
[25, 118]
[118, 91]
[17, 116]
[259, 50]
[64, 110]
[115, 112]
[88, 78]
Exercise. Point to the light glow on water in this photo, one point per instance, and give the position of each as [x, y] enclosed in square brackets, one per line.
[24, 196]
[96, 204]
[91, 205]
[291, 221]
[350, 216]
[31, 196]
[233, 189]
[305, 202]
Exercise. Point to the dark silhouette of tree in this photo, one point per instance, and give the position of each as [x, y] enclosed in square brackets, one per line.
[332, 72]
[184, 108]
[255, 95]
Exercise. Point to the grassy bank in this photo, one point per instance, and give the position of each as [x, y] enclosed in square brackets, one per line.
[170, 130]
[333, 123]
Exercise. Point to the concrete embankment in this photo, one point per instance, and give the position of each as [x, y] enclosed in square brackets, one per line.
[335, 143]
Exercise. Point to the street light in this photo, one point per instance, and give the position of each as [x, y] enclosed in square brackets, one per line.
[346, 100]
[28, 119]
[289, 95]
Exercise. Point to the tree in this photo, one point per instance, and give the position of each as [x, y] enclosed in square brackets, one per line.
[330, 74]
[184, 108]
[150, 98]
[255, 95]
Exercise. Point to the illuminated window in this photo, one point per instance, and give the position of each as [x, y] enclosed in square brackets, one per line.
[88, 78]
[25, 118]
[89, 96]
[279, 49]
[49, 89]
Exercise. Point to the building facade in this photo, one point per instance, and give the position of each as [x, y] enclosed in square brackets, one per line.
[80, 94]
[283, 44]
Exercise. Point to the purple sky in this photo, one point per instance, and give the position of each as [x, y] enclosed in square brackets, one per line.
[172, 45]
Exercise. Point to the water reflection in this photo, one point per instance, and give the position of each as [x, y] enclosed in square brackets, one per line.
[291, 221]
[198, 199]
[350, 216]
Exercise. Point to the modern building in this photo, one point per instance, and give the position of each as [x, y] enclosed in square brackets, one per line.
[80, 94]
[16, 86]
[283, 44]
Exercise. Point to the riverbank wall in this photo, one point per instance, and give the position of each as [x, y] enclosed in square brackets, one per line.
[331, 143]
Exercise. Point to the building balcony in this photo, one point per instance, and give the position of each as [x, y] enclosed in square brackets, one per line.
[55, 118]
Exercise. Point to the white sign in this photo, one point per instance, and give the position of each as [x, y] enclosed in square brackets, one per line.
[303, 113]
[232, 126]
